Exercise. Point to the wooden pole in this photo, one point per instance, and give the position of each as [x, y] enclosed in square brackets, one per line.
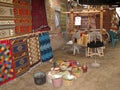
[101, 19]
[71, 21]
[89, 20]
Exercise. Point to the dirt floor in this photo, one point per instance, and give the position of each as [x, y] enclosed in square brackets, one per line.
[106, 77]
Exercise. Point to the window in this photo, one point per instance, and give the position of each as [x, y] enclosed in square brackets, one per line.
[57, 18]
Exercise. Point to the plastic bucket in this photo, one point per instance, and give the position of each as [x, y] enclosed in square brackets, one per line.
[57, 81]
[40, 78]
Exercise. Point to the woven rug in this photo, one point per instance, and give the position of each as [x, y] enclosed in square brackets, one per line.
[21, 65]
[6, 32]
[19, 47]
[20, 55]
[45, 47]
[7, 1]
[6, 11]
[6, 62]
[39, 19]
[33, 49]
[6, 19]
[23, 19]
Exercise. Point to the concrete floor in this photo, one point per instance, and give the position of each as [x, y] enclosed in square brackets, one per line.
[106, 77]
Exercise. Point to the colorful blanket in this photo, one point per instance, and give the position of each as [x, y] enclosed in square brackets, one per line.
[6, 62]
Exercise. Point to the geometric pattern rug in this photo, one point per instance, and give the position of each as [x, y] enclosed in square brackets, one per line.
[33, 49]
[23, 18]
[20, 55]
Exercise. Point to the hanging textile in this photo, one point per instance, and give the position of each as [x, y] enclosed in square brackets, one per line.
[114, 22]
[20, 55]
[6, 62]
[7, 1]
[45, 47]
[6, 11]
[23, 19]
[7, 32]
[84, 22]
[92, 23]
[7, 24]
[39, 19]
[33, 49]
[63, 19]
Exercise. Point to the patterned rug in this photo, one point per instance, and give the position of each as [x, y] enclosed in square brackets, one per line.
[39, 19]
[7, 25]
[19, 47]
[45, 47]
[20, 55]
[6, 62]
[33, 49]
[23, 19]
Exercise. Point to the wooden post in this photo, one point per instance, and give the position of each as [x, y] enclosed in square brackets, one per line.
[71, 21]
[89, 20]
[101, 19]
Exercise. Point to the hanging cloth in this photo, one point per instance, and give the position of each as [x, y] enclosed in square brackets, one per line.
[39, 18]
[45, 47]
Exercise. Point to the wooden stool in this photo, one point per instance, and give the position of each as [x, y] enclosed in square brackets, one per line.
[94, 51]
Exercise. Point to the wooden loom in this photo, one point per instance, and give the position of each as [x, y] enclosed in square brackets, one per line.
[82, 13]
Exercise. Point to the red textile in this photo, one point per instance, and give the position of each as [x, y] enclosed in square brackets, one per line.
[23, 19]
[39, 19]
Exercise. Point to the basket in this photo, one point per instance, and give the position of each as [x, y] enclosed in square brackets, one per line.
[67, 82]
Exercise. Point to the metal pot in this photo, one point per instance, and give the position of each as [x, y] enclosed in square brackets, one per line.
[40, 78]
